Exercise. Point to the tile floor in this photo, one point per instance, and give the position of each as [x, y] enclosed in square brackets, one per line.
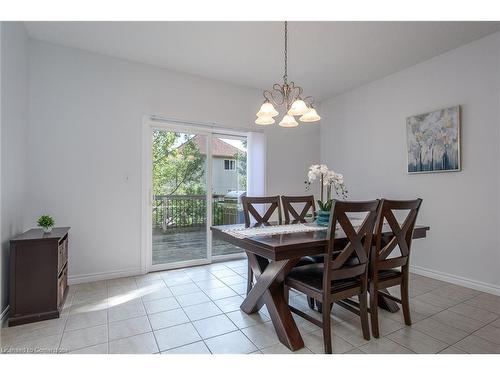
[196, 310]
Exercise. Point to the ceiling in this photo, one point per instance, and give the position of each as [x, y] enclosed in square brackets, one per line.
[325, 58]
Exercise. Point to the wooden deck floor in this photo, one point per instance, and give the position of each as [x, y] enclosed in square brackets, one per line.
[188, 245]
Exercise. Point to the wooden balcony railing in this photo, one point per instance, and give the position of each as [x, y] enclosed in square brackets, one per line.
[177, 212]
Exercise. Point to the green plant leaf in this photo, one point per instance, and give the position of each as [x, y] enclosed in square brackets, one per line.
[46, 221]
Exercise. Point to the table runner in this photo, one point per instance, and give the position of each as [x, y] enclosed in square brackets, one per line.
[239, 231]
[242, 232]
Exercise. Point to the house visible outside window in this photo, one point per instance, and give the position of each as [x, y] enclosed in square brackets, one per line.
[229, 165]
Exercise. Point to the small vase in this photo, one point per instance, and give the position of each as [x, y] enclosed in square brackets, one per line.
[323, 218]
[47, 230]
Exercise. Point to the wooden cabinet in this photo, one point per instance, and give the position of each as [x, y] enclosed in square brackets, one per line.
[38, 275]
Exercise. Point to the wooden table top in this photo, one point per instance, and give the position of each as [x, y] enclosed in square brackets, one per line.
[285, 246]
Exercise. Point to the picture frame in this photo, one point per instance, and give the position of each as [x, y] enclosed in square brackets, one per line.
[433, 141]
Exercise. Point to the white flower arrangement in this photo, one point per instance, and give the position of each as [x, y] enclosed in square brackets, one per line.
[328, 179]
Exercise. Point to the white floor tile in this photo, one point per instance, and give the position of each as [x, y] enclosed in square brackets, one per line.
[194, 348]
[383, 346]
[230, 343]
[154, 294]
[262, 335]
[179, 290]
[220, 293]
[458, 321]
[144, 315]
[169, 318]
[192, 299]
[159, 305]
[126, 310]
[282, 349]
[85, 320]
[95, 349]
[35, 345]
[130, 327]
[440, 331]
[477, 345]
[314, 342]
[244, 320]
[417, 341]
[214, 326]
[229, 304]
[176, 336]
[210, 284]
[82, 338]
[233, 280]
[202, 311]
[240, 288]
[140, 344]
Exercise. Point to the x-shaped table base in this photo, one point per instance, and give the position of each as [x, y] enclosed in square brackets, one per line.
[270, 290]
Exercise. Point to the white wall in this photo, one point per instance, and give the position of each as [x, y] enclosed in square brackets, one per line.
[85, 142]
[14, 132]
[363, 136]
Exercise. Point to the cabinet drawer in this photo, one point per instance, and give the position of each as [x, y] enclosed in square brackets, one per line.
[62, 284]
[62, 256]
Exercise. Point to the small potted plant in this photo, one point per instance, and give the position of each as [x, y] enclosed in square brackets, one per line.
[330, 180]
[46, 222]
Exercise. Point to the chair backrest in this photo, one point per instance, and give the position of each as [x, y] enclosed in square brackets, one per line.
[385, 256]
[351, 260]
[249, 209]
[291, 215]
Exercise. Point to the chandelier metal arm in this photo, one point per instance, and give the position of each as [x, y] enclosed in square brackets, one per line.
[284, 94]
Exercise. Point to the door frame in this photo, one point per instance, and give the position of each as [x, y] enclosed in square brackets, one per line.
[149, 123]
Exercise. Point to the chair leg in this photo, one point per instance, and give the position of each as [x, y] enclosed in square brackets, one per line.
[319, 305]
[405, 299]
[374, 310]
[327, 331]
[310, 302]
[249, 278]
[363, 313]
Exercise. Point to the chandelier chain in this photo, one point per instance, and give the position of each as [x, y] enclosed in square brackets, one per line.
[285, 76]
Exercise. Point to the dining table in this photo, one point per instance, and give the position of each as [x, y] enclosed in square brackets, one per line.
[272, 251]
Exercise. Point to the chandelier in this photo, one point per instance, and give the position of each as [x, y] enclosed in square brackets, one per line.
[288, 96]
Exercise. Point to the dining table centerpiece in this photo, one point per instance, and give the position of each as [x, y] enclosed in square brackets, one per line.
[330, 180]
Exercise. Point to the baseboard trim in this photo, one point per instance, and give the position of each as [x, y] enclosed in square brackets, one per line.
[99, 276]
[5, 314]
[458, 280]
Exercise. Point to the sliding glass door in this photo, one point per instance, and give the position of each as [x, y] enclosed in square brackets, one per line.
[229, 185]
[197, 179]
[179, 210]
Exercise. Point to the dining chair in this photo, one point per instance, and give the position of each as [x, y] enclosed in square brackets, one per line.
[251, 211]
[291, 214]
[293, 217]
[344, 274]
[389, 259]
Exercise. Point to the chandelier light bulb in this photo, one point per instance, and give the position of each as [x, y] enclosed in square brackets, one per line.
[310, 116]
[288, 122]
[264, 120]
[267, 110]
[298, 108]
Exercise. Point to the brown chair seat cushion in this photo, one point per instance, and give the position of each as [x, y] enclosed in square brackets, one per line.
[311, 277]
[352, 261]
[305, 261]
[388, 274]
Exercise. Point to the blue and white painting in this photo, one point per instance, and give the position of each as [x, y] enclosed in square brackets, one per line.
[433, 141]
